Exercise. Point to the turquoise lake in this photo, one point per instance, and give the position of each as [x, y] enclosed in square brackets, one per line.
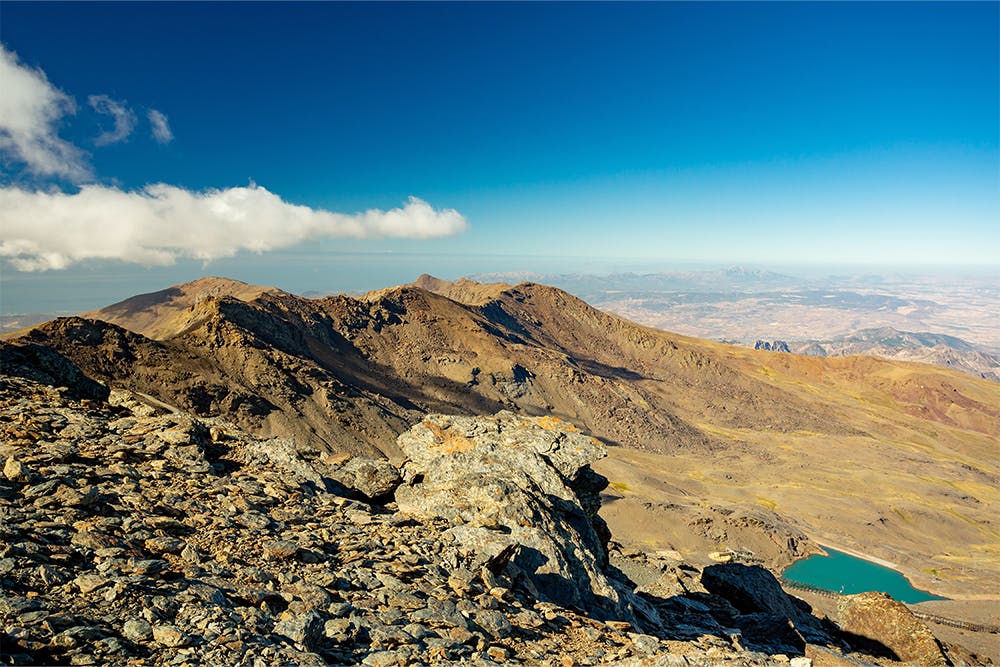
[843, 573]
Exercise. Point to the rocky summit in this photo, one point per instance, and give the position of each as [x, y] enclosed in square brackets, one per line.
[132, 535]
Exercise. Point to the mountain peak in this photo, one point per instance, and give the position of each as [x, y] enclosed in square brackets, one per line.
[463, 290]
[160, 314]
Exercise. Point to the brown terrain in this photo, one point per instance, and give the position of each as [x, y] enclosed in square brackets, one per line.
[713, 446]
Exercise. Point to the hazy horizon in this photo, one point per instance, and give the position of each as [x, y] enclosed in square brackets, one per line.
[80, 289]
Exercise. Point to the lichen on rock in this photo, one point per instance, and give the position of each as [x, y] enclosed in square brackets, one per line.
[512, 480]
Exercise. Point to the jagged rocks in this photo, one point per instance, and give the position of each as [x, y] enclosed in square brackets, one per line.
[765, 610]
[774, 346]
[890, 627]
[507, 481]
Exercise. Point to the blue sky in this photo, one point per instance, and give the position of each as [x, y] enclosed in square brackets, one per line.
[752, 133]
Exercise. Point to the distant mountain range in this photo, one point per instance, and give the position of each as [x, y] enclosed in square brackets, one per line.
[928, 348]
[839, 447]
[830, 316]
[587, 285]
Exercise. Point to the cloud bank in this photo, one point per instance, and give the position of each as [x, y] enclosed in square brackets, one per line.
[161, 223]
[124, 119]
[160, 126]
[30, 111]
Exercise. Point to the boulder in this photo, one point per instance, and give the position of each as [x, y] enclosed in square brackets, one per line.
[750, 588]
[761, 602]
[372, 479]
[506, 481]
[887, 623]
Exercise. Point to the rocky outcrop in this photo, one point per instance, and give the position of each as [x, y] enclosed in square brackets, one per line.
[519, 486]
[773, 346]
[763, 606]
[891, 628]
[164, 539]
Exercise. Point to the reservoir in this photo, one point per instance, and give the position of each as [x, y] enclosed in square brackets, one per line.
[843, 573]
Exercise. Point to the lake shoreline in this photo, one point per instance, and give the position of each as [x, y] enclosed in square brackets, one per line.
[841, 569]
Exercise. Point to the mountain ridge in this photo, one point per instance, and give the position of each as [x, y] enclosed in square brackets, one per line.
[742, 427]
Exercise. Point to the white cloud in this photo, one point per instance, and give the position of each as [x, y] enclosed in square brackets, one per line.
[161, 128]
[30, 111]
[161, 223]
[122, 115]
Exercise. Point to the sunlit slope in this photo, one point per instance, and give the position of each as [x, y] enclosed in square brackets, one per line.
[165, 312]
[897, 459]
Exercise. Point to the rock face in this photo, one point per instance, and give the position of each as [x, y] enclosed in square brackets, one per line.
[511, 482]
[889, 624]
[750, 588]
[763, 606]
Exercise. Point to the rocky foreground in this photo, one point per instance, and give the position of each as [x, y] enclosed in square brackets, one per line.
[133, 535]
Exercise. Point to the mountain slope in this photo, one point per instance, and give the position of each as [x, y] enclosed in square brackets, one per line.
[139, 538]
[857, 451]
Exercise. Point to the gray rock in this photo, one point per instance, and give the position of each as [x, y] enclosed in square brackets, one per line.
[505, 480]
[385, 659]
[170, 636]
[76, 636]
[137, 630]
[441, 612]
[165, 545]
[303, 629]
[373, 479]
[494, 623]
[337, 629]
[645, 644]
[280, 549]
[71, 497]
[16, 471]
